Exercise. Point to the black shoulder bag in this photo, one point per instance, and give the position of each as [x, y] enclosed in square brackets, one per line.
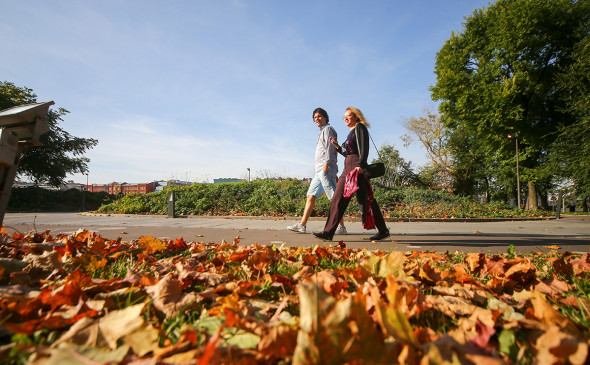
[376, 169]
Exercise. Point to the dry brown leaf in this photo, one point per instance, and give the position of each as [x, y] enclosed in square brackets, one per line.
[475, 262]
[96, 245]
[81, 235]
[468, 292]
[332, 330]
[483, 359]
[451, 306]
[305, 273]
[169, 298]
[105, 331]
[182, 358]
[143, 340]
[279, 341]
[49, 260]
[523, 272]
[390, 264]
[581, 265]
[552, 286]
[390, 315]
[9, 266]
[554, 346]
[494, 267]
[545, 313]
[469, 324]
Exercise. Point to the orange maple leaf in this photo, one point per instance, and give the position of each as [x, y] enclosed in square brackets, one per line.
[151, 244]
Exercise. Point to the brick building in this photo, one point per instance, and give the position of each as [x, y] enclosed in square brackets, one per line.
[122, 188]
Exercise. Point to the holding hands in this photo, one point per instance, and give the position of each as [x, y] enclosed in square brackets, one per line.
[334, 141]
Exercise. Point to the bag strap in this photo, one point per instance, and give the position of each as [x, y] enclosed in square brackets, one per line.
[376, 149]
[357, 142]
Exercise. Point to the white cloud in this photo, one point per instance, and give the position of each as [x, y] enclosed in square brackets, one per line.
[216, 87]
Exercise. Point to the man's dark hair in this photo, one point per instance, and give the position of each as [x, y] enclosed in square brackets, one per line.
[322, 112]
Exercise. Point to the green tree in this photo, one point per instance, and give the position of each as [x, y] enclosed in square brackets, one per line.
[429, 130]
[398, 172]
[571, 151]
[499, 76]
[61, 153]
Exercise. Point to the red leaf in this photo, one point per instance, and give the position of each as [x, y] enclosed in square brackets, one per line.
[322, 253]
[205, 359]
[239, 256]
[51, 323]
[484, 333]
[310, 260]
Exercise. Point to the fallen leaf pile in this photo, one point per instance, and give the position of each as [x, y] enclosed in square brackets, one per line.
[83, 299]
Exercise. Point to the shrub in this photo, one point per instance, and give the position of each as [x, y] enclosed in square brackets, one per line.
[287, 197]
[36, 199]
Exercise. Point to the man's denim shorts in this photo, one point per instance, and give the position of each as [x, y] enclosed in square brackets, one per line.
[321, 183]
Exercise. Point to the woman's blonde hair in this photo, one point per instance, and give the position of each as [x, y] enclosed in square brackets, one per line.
[359, 115]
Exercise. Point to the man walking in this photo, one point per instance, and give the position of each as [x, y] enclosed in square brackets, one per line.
[326, 170]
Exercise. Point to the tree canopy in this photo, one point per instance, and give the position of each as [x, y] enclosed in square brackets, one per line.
[61, 153]
[398, 172]
[432, 134]
[571, 151]
[500, 75]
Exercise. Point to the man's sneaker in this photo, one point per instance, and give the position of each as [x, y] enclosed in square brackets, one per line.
[297, 227]
[341, 230]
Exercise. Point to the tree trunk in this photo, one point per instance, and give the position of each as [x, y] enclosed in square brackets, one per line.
[531, 202]
[544, 201]
[585, 204]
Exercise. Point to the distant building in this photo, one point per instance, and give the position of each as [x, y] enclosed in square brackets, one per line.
[164, 183]
[219, 181]
[22, 184]
[68, 185]
[123, 188]
[95, 188]
[72, 185]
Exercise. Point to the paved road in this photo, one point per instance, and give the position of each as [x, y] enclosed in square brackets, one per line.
[571, 233]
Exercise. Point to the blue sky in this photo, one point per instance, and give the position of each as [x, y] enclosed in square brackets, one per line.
[197, 90]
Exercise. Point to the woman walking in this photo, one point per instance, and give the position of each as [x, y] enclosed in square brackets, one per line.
[356, 151]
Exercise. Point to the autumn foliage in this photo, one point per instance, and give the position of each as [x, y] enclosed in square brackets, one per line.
[89, 300]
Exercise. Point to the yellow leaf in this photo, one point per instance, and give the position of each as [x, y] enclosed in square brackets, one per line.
[143, 340]
[335, 331]
[151, 244]
[105, 331]
[395, 323]
[392, 264]
[90, 263]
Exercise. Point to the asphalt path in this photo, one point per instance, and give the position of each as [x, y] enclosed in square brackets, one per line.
[570, 233]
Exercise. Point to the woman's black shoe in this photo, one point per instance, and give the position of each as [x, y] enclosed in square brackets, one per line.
[379, 236]
[323, 235]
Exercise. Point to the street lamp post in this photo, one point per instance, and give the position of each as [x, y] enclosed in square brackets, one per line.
[248, 173]
[515, 136]
[84, 193]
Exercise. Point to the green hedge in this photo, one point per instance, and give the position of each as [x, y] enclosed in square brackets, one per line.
[36, 199]
[287, 197]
